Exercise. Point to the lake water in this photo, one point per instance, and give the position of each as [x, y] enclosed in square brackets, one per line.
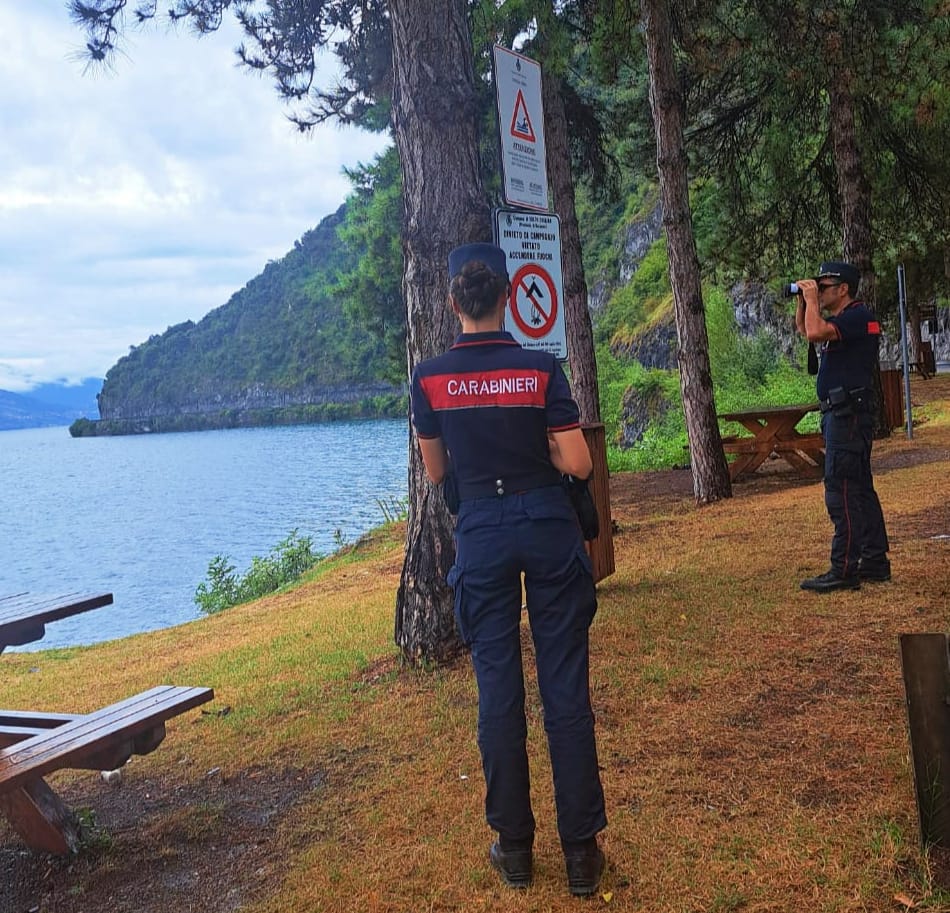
[141, 516]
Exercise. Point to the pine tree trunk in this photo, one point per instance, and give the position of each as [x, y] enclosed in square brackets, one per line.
[854, 192]
[434, 121]
[710, 470]
[580, 334]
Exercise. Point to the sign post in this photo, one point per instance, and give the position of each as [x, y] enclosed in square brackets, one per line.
[521, 129]
[532, 244]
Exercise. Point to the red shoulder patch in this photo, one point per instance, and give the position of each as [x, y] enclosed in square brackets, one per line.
[874, 328]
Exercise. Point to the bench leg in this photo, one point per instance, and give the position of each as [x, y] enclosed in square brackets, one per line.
[116, 755]
[746, 463]
[41, 818]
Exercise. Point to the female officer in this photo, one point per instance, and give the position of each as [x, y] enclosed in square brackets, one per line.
[502, 420]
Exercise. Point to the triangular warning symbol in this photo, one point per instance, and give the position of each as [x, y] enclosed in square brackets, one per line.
[520, 122]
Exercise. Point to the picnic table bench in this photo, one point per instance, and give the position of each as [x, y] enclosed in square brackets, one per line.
[24, 616]
[35, 744]
[773, 432]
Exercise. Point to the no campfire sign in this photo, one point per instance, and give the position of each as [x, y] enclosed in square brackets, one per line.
[521, 125]
[532, 243]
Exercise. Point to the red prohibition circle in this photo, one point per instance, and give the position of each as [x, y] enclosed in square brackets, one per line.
[547, 324]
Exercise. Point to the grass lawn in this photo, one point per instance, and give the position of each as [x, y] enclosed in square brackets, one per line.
[752, 736]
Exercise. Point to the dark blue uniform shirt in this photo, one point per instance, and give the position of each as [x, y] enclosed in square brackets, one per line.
[848, 361]
[493, 403]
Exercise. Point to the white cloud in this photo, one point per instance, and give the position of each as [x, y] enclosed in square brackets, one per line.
[135, 198]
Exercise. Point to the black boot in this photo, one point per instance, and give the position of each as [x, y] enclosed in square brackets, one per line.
[830, 581]
[585, 864]
[513, 864]
[874, 571]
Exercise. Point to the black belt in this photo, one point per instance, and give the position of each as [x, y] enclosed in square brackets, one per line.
[500, 487]
[858, 399]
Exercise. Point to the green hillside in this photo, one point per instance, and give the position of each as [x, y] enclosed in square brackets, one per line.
[282, 349]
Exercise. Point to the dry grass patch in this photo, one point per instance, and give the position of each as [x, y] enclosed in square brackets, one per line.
[752, 736]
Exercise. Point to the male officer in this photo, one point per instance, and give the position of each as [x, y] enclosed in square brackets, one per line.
[849, 337]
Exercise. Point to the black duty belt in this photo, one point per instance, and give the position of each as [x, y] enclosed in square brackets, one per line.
[498, 488]
[858, 400]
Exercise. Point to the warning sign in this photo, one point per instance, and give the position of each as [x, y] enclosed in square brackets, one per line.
[521, 125]
[521, 121]
[532, 244]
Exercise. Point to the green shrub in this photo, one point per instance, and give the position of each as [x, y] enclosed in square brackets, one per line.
[287, 561]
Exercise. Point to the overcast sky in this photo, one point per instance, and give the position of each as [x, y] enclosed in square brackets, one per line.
[136, 198]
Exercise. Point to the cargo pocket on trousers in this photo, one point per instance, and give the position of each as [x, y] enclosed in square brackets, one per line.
[843, 465]
[456, 580]
[584, 570]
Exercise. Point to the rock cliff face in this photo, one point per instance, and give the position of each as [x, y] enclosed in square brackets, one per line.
[113, 407]
[638, 238]
[654, 347]
[257, 405]
[756, 309]
[638, 410]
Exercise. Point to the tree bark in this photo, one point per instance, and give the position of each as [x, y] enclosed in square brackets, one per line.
[580, 333]
[854, 192]
[710, 470]
[434, 121]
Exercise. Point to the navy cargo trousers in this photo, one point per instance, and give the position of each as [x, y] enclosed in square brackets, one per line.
[852, 502]
[497, 539]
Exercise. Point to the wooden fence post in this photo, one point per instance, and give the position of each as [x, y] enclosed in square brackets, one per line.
[926, 667]
[601, 549]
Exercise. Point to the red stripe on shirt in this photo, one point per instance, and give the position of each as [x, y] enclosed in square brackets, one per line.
[503, 388]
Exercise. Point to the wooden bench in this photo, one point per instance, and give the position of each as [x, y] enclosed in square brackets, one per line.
[807, 442]
[35, 744]
[17, 725]
[24, 616]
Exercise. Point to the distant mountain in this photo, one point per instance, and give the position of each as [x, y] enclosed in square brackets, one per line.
[79, 397]
[49, 405]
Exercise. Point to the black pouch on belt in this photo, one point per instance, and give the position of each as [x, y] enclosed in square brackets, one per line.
[578, 491]
[841, 404]
[860, 399]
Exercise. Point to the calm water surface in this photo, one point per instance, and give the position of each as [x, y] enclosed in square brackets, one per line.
[142, 516]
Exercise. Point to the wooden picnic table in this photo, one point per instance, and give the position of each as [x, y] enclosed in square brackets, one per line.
[773, 430]
[24, 616]
[34, 744]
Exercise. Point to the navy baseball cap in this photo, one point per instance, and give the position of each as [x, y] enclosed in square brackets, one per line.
[835, 269]
[492, 256]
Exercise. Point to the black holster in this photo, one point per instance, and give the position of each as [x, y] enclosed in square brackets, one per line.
[578, 491]
[450, 492]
